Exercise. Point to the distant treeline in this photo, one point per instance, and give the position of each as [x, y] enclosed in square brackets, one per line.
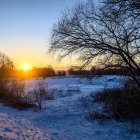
[35, 72]
[50, 72]
[46, 72]
[98, 71]
[8, 70]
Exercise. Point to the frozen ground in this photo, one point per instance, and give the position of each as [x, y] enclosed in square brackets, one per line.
[19, 129]
[64, 117]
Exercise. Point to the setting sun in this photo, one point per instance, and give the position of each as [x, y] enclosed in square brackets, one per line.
[25, 67]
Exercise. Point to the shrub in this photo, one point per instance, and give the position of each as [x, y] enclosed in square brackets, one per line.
[12, 93]
[15, 95]
[39, 94]
[61, 73]
[4, 89]
[121, 103]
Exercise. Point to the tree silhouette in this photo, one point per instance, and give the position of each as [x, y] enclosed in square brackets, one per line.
[6, 65]
[99, 34]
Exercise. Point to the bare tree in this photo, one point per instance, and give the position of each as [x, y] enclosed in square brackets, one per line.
[98, 34]
[5, 62]
[5, 65]
[124, 6]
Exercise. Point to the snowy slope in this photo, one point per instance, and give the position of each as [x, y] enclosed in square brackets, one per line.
[64, 117]
[19, 129]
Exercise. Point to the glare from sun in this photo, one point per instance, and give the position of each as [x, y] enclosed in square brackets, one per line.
[25, 67]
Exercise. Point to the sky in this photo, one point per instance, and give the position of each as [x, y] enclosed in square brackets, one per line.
[25, 27]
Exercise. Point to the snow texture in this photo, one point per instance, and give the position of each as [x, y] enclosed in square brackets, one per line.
[19, 129]
[64, 117]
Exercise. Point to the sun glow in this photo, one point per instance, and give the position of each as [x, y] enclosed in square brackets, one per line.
[25, 67]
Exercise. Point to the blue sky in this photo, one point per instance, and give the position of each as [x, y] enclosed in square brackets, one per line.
[25, 27]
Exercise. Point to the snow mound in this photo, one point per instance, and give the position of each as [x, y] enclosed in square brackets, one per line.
[17, 129]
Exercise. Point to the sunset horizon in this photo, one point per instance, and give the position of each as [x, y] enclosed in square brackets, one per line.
[26, 29]
[69, 69]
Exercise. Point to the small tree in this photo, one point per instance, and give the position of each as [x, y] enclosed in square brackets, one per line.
[39, 94]
[6, 65]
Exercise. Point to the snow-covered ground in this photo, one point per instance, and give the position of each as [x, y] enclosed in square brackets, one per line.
[64, 117]
[19, 129]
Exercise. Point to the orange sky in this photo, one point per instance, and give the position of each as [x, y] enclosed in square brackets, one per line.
[33, 53]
